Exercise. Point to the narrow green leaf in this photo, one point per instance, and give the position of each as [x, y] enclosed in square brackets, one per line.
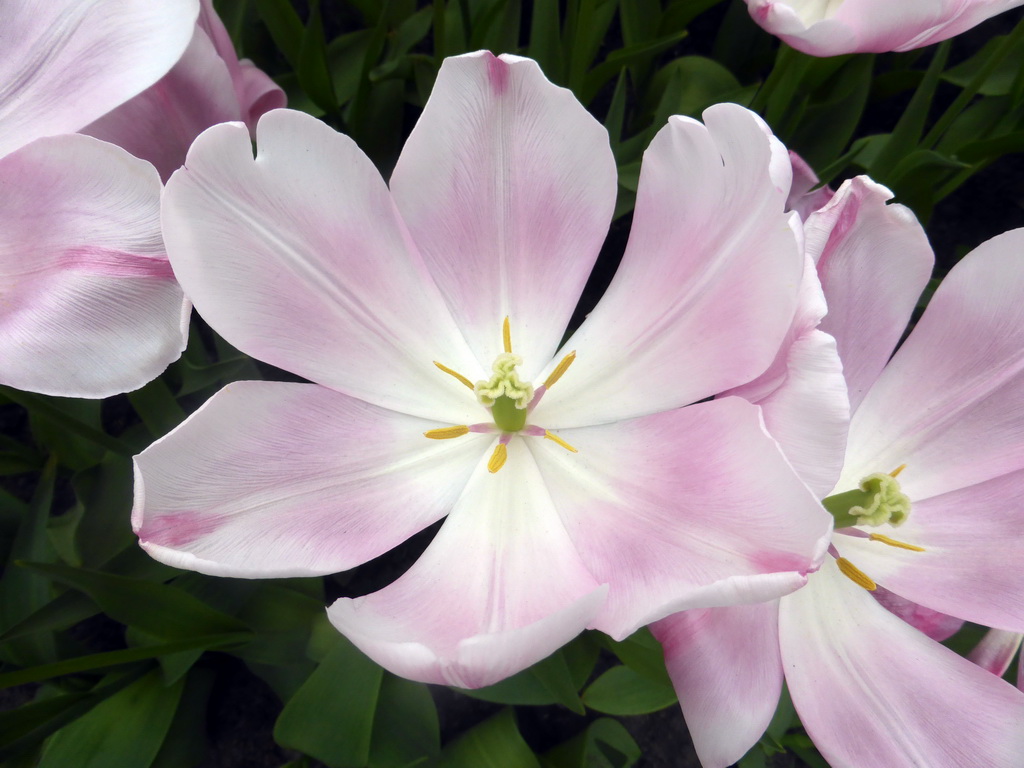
[185, 743]
[125, 731]
[615, 121]
[495, 743]
[604, 744]
[622, 691]
[343, 691]
[160, 609]
[100, 661]
[643, 654]
[157, 407]
[616, 60]
[311, 68]
[546, 40]
[52, 409]
[285, 27]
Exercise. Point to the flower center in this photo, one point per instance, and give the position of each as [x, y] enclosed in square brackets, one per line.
[876, 501]
[509, 400]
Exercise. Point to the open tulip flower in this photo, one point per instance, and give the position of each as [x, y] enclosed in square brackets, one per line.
[927, 514]
[834, 27]
[578, 492]
[89, 304]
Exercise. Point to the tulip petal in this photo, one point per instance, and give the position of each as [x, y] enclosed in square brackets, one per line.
[996, 650]
[160, 123]
[726, 669]
[500, 588]
[89, 305]
[66, 62]
[873, 261]
[691, 508]
[274, 479]
[708, 285]
[974, 547]
[508, 185]
[828, 28]
[943, 404]
[871, 690]
[299, 259]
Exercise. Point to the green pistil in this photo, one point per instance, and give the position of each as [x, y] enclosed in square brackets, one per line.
[878, 500]
[505, 394]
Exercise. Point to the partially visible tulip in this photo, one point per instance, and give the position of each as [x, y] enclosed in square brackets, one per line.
[996, 650]
[88, 304]
[834, 27]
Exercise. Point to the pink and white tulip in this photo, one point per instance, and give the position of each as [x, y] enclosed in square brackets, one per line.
[834, 27]
[996, 651]
[208, 85]
[89, 304]
[857, 646]
[579, 514]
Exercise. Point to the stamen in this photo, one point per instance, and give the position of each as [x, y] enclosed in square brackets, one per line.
[497, 458]
[456, 374]
[855, 574]
[896, 472]
[447, 433]
[556, 439]
[560, 369]
[895, 542]
[506, 336]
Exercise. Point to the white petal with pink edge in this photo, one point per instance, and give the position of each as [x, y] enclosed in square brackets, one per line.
[272, 479]
[996, 650]
[507, 185]
[727, 672]
[690, 508]
[873, 261]
[88, 304]
[300, 259]
[944, 404]
[500, 588]
[66, 62]
[871, 690]
[708, 285]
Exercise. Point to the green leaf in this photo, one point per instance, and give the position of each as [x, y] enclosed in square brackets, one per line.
[343, 691]
[550, 681]
[405, 727]
[623, 57]
[125, 731]
[997, 82]
[604, 744]
[546, 40]
[104, 494]
[185, 742]
[688, 86]
[643, 654]
[495, 743]
[160, 609]
[285, 27]
[622, 691]
[311, 68]
[100, 661]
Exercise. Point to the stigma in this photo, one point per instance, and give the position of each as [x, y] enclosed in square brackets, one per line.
[509, 401]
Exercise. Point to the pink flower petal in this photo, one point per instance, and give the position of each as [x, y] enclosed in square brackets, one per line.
[803, 393]
[974, 550]
[299, 259]
[507, 184]
[498, 589]
[873, 260]
[279, 479]
[873, 691]
[938, 626]
[945, 405]
[66, 62]
[803, 197]
[160, 123]
[690, 508]
[707, 287]
[726, 669]
[996, 650]
[88, 304]
[828, 28]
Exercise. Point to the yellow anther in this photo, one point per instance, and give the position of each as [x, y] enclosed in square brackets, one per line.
[855, 574]
[497, 458]
[895, 542]
[896, 472]
[562, 367]
[506, 336]
[456, 374]
[447, 433]
[556, 439]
